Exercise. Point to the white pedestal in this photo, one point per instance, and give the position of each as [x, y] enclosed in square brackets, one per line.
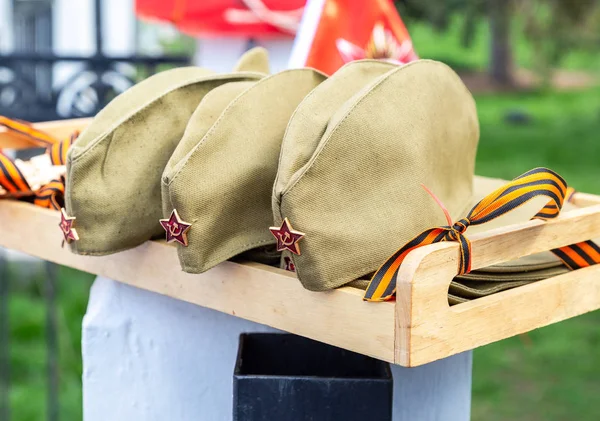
[6, 26]
[149, 357]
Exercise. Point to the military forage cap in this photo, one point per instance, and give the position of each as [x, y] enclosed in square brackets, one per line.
[114, 167]
[355, 156]
[352, 165]
[220, 177]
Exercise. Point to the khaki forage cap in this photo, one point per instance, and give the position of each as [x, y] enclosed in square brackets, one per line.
[353, 186]
[357, 195]
[114, 167]
[220, 177]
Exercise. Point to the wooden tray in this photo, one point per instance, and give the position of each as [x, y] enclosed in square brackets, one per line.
[418, 328]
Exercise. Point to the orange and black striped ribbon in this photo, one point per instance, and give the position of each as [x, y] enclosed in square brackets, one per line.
[27, 131]
[580, 255]
[51, 195]
[58, 151]
[534, 183]
[12, 180]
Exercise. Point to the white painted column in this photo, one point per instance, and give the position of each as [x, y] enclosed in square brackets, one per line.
[72, 34]
[6, 26]
[73, 30]
[439, 391]
[279, 52]
[149, 357]
[219, 54]
[118, 27]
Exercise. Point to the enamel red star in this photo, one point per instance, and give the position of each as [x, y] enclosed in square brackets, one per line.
[287, 238]
[66, 226]
[176, 228]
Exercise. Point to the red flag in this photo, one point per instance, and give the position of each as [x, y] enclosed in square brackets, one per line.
[241, 18]
[334, 32]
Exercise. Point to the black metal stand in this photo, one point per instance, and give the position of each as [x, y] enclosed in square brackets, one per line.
[288, 377]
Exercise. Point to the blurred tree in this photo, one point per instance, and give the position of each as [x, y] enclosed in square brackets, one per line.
[501, 54]
[553, 27]
[439, 12]
[558, 27]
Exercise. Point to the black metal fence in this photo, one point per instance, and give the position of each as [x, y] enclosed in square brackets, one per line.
[95, 81]
[27, 88]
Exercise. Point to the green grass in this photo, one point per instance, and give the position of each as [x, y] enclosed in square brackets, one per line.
[556, 374]
[564, 134]
[553, 376]
[28, 347]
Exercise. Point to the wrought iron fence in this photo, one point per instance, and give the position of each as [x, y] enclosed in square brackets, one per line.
[95, 81]
[27, 76]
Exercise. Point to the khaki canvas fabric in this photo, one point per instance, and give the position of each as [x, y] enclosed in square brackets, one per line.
[467, 287]
[358, 194]
[114, 167]
[352, 166]
[310, 120]
[203, 118]
[480, 283]
[220, 178]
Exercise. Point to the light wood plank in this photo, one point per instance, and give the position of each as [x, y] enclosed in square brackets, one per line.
[428, 329]
[59, 129]
[252, 291]
[585, 199]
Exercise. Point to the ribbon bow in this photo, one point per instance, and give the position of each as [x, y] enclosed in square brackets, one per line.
[534, 183]
[12, 180]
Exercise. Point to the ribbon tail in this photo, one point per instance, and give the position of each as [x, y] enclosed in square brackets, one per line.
[464, 263]
[580, 255]
[27, 131]
[382, 286]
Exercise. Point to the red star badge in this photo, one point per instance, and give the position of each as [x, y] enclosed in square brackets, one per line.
[287, 238]
[66, 226]
[176, 228]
